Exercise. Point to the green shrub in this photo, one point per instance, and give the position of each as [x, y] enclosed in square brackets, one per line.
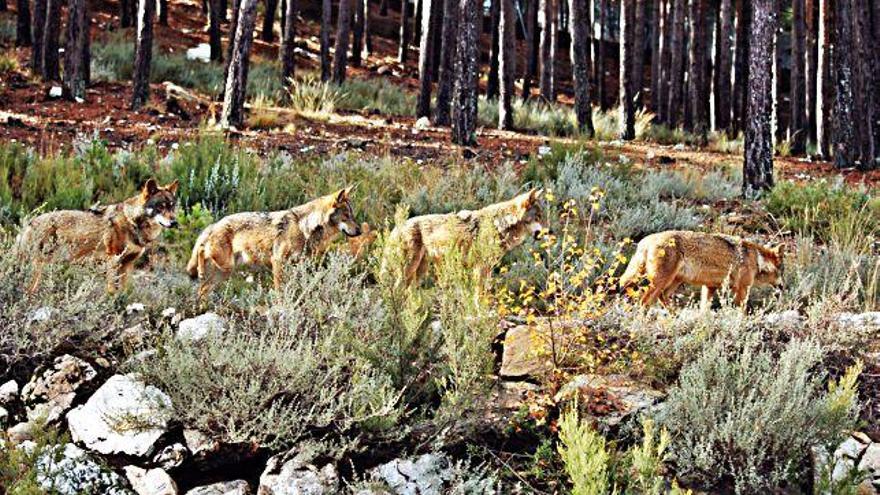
[190, 223]
[584, 454]
[817, 208]
[312, 97]
[743, 414]
[368, 95]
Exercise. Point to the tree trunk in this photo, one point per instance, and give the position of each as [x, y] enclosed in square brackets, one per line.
[326, 20]
[638, 52]
[446, 74]
[698, 123]
[232, 114]
[665, 63]
[215, 39]
[799, 128]
[825, 91]
[357, 39]
[431, 11]
[464, 100]
[51, 31]
[758, 164]
[233, 27]
[39, 25]
[383, 8]
[288, 43]
[416, 33]
[777, 121]
[163, 12]
[267, 34]
[864, 52]
[723, 66]
[531, 42]
[812, 66]
[507, 64]
[403, 48]
[23, 23]
[844, 143]
[547, 18]
[368, 38]
[224, 5]
[627, 106]
[676, 64]
[126, 19]
[656, 50]
[343, 39]
[143, 54]
[579, 28]
[76, 50]
[741, 64]
[492, 81]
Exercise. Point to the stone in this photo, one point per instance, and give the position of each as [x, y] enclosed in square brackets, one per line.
[69, 470]
[42, 314]
[519, 359]
[150, 482]
[8, 392]
[850, 448]
[422, 124]
[197, 442]
[135, 308]
[237, 487]
[201, 52]
[629, 396]
[425, 475]
[51, 394]
[784, 319]
[171, 456]
[296, 477]
[124, 416]
[871, 459]
[4, 416]
[867, 319]
[55, 92]
[201, 327]
[20, 433]
[134, 337]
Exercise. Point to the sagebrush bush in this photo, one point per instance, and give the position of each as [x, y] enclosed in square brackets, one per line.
[371, 95]
[815, 209]
[741, 413]
[584, 454]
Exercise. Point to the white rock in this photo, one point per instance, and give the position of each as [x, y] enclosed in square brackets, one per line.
[51, 393]
[150, 482]
[237, 487]
[20, 433]
[169, 312]
[201, 327]
[295, 477]
[679, 147]
[135, 308]
[124, 416]
[55, 92]
[868, 319]
[42, 314]
[422, 124]
[871, 459]
[8, 392]
[197, 442]
[171, 456]
[202, 53]
[69, 470]
[543, 150]
[4, 416]
[785, 319]
[424, 476]
[850, 448]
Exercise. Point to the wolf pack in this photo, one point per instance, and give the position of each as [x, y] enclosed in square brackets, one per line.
[117, 236]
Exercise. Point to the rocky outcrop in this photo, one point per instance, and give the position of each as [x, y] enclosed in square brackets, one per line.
[150, 482]
[51, 394]
[69, 470]
[124, 416]
[201, 327]
[237, 487]
[625, 397]
[424, 475]
[297, 477]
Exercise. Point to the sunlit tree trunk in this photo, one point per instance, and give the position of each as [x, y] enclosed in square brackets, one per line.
[676, 63]
[464, 100]
[758, 164]
[405, 28]
[507, 64]
[825, 91]
[232, 114]
[51, 31]
[547, 19]
[143, 54]
[76, 56]
[741, 64]
[627, 105]
[798, 97]
[579, 28]
[431, 11]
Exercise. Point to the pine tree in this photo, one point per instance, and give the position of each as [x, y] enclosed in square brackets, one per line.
[288, 42]
[676, 64]
[430, 20]
[627, 105]
[267, 33]
[798, 93]
[531, 42]
[579, 28]
[464, 100]
[38, 25]
[723, 41]
[741, 64]
[76, 55]
[326, 20]
[51, 66]
[547, 17]
[23, 23]
[143, 54]
[343, 40]
[697, 118]
[446, 73]
[494, 49]
[825, 91]
[403, 47]
[758, 164]
[232, 114]
[357, 38]
[215, 39]
[507, 64]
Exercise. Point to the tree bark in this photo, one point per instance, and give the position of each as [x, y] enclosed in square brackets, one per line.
[676, 64]
[446, 73]
[215, 39]
[51, 31]
[638, 53]
[722, 71]
[76, 50]
[799, 124]
[288, 43]
[579, 28]
[758, 164]
[143, 54]
[39, 24]
[865, 51]
[368, 38]
[494, 49]
[464, 101]
[267, 34]
[343, 40]
[531, 42]
[232, 114]
[547, 18]
[233, 27]
[844, 143]
[23, 23]
[741, 64]
[326, 20]
[825, 91]
[698, 123]
[812, 66]
[163, 12]
[507, 64]
[656, 49]
[403, 48]
[778, 124]
[127, 13]
[357, 38]
[430, 25]
[627, 105]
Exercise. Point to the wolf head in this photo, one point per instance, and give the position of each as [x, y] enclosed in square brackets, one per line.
[341, 214]
[771, 265]
[159, 203]
[522, 216]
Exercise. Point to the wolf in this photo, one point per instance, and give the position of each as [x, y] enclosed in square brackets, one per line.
[116, 235]
[270, 239]
[424, 239]
[672, 258]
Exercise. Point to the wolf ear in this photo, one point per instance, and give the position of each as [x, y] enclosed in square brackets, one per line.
[172, 188]
[150, 188]
[779, 249]
[341, 196]
[530, 197]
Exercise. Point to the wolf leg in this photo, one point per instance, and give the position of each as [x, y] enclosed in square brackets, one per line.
[666, 296]
[37, 278]
[706, 296]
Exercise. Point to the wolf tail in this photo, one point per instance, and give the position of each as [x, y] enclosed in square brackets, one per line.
[635, 269]
[198, 255]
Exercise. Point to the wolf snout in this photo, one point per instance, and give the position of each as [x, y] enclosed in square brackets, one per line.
[351, 231]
